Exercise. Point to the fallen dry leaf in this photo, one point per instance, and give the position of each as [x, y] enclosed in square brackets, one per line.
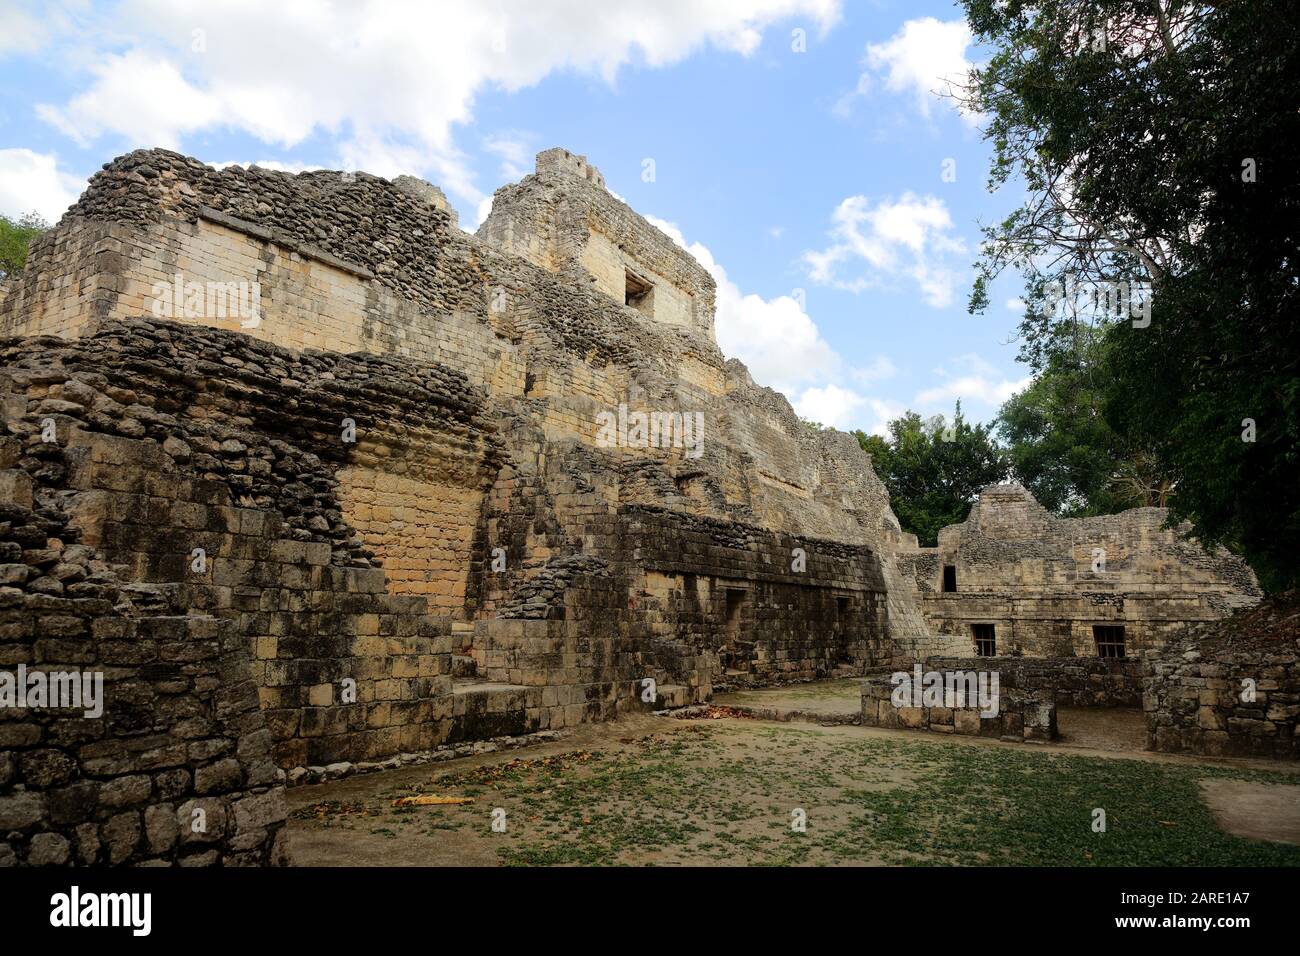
[430, 800]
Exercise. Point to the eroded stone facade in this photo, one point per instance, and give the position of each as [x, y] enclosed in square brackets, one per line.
[1042, 586]
[390, 442]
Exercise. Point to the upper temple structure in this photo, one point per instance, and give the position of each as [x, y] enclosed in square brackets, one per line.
[312, 475]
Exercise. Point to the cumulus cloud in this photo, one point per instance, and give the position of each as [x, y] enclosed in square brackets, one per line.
[775, 338]
[969, 378]
[33, 182]
[846, 409]
[910, 237]
[388, 79]
[782, 347]
[879, 369]
[515, 153]
[925, 59]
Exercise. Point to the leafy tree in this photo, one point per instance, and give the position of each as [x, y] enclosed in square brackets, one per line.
[15, 237]
[934, 469]
[1064, 451]
[1159, 144]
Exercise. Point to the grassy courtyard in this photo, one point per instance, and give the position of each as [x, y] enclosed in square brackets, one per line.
[725, 792]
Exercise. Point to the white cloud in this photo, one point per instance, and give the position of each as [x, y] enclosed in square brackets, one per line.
[273, 164]
[878, 370]
[910, 237]
[775, 338]
[388, 79]
[970, 378]
[516, 155]
[780, 344]
[31, 181]
[843, 107]
[925, 58]
[139, 95]
[830, 405]
[846, 409]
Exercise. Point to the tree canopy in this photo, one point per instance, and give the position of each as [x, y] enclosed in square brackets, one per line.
[15, 237]
[1158, 142]
[934, 469]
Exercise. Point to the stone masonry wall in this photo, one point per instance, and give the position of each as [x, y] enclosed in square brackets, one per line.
[160, 451]
[1044, 582]
[1023, 715]
[177, 769]
[1072, 681]
[1230, 688]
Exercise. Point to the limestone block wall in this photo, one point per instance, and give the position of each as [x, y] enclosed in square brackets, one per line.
[734, 591]
[565, 673]
[1073, 682]
[358, 265]
[362, 264]
[68, 280]
[1043, 583]
[609, 266]
[563, 216]
[422, 532]
[176, 767]
[159, 451]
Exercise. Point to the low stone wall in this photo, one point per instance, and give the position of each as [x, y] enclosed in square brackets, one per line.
[169, 760]
[1023, 715]
[1232, 689]
[1073, 681]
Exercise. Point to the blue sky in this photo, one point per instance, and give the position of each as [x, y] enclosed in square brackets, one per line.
[797, 147]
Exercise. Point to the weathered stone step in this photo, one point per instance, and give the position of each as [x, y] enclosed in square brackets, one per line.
[491, 696]
[482, 709]
[463, 666]
[672, 695]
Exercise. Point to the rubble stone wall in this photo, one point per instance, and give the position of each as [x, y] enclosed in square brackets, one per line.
[1229, 688]
[1023, 715]
[1073, 681]
[159, 455]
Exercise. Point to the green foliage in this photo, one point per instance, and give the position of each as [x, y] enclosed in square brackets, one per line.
[1168, 154]
[1065, 452]
[15, 237]
[934, 469]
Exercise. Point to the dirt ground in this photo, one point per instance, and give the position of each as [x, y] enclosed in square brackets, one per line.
[1261, 811]
[665, 791]
[831, 698]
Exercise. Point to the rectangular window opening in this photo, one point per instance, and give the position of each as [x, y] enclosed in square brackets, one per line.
[1109, 639]
[639, 294]
[986, 641]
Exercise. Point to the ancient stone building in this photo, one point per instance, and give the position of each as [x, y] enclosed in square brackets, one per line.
[310, 475]
[1013, 579]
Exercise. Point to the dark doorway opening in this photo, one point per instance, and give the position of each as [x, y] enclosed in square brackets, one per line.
[949, 579]
[736, 653]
